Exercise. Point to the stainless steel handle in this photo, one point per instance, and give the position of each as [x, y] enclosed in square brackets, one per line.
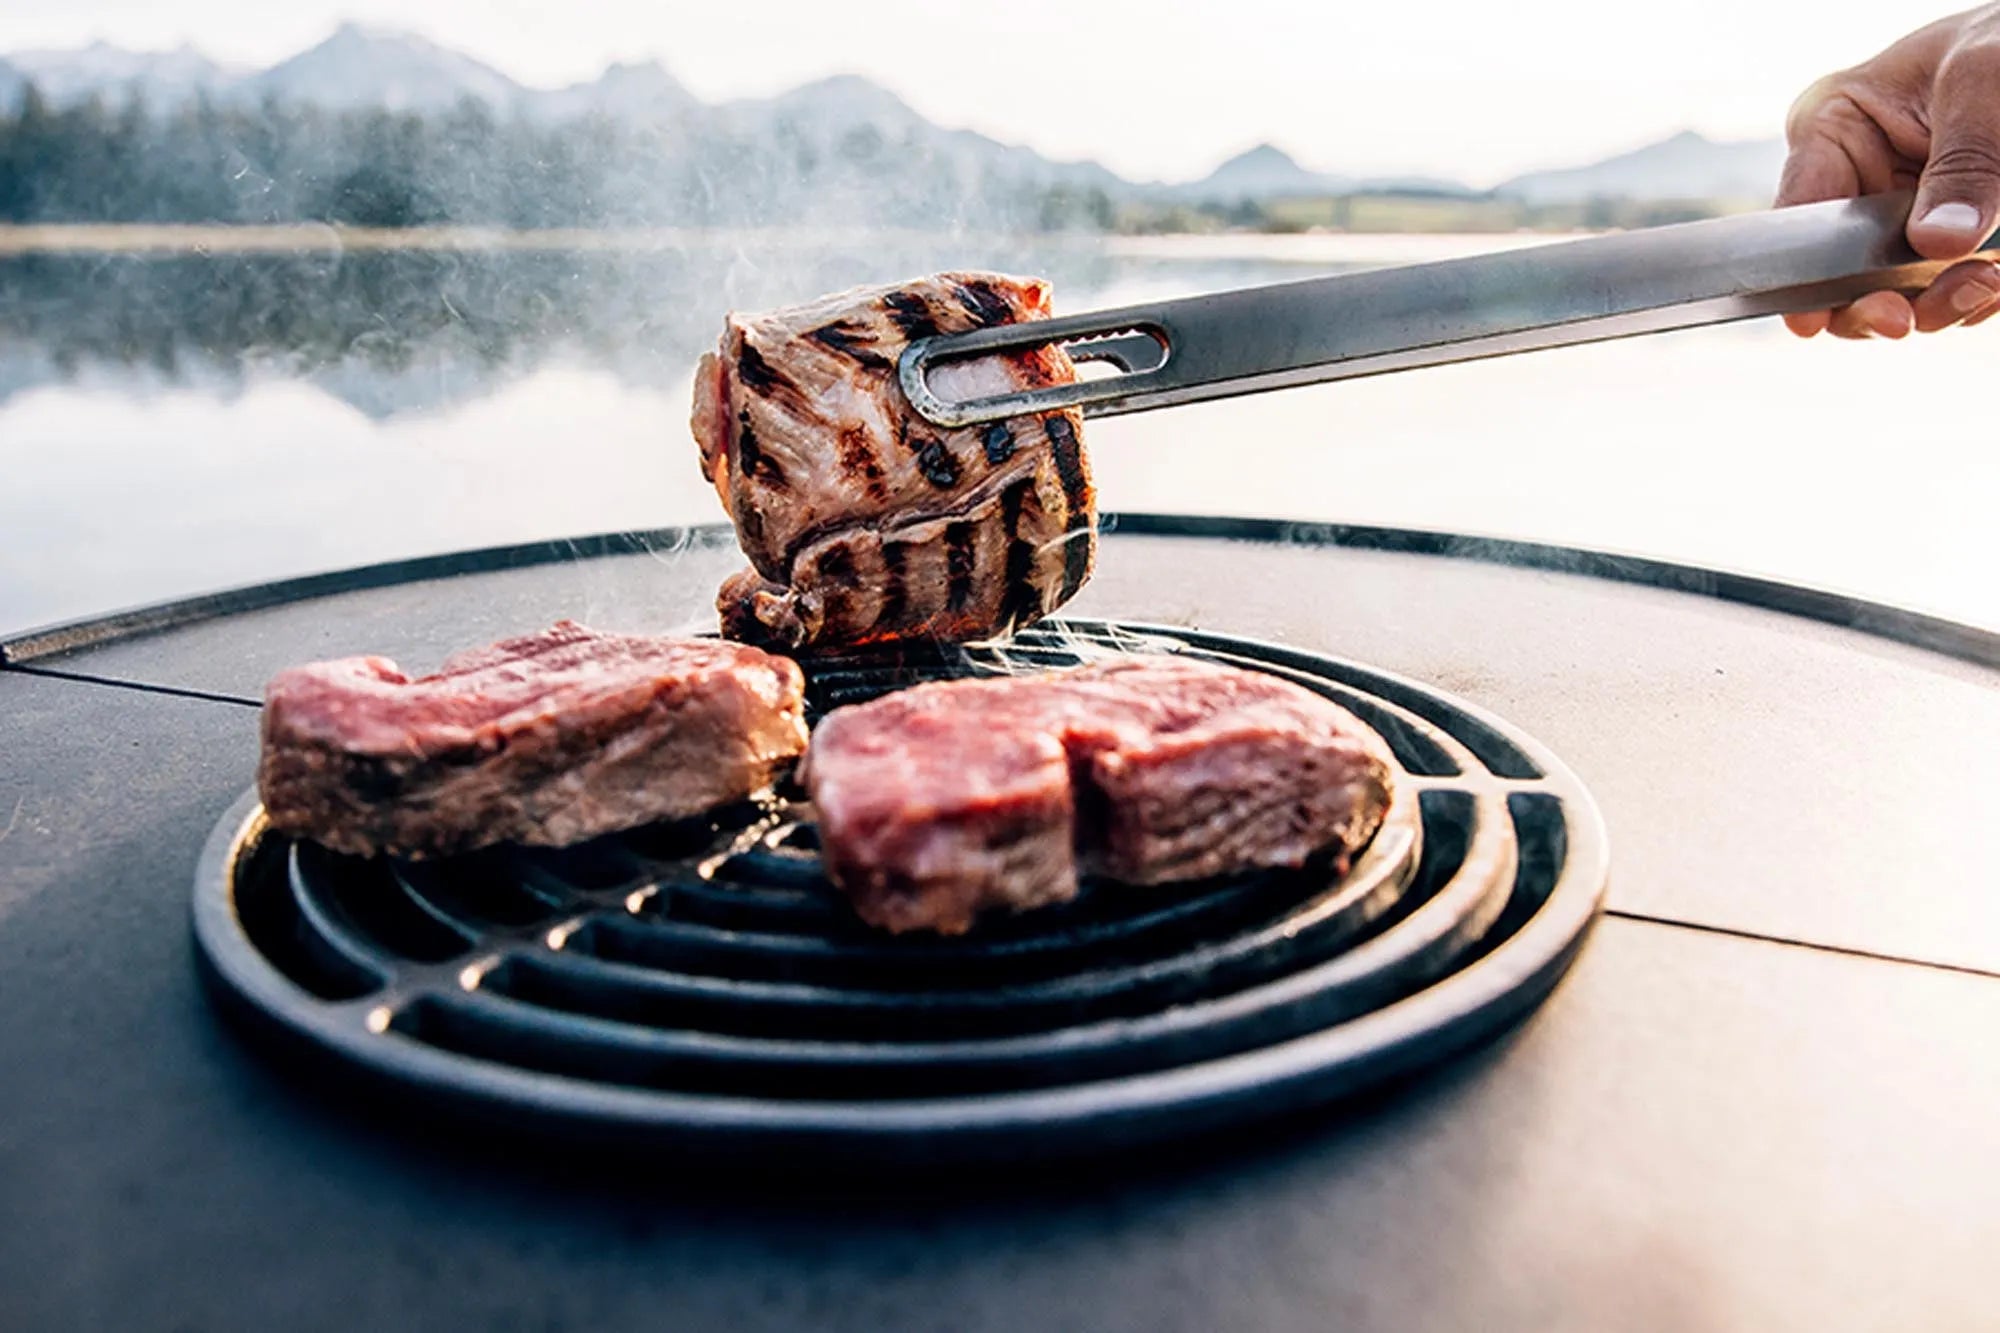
[1353, 324]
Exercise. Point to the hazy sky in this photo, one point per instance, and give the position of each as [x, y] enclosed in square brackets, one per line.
[1472, 88]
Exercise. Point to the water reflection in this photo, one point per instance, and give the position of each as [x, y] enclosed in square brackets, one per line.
[170, 424]
[399, 331]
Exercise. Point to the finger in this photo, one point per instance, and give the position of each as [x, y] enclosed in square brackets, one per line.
[1959, 293]
[1876, 315]
[1817, 170]
[1984, 315]
[1958, 200]
[1838, 150]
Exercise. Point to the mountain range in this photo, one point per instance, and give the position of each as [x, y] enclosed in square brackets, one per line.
[1687, 166]
[363, 68]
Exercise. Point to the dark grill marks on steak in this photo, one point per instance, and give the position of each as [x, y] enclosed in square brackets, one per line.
[1067, 451]
[549, 739]
[985, 305]
[940, 468]
[944, 800]
[1035, 372]
[837, 562]
[845, 338]
[895, 593]
[753, 461]
[1076, 561]
[750, 528]
[912, 314]
[998, 442]
[836, 457]
[960, 559]
[856, 456]
[835, 575]
[757, 372]
[767, 381]
[1018, 605]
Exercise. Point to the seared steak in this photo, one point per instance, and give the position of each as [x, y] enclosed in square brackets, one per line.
[863, 522]
[548, 739]
[943, 800]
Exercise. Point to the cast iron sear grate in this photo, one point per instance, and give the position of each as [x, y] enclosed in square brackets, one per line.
[700, 987]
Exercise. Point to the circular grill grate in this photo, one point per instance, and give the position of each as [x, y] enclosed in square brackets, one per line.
[700, 987]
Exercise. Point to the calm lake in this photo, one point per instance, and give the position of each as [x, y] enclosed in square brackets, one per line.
[173, 423]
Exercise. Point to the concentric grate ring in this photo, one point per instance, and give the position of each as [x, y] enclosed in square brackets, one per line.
[700, 987]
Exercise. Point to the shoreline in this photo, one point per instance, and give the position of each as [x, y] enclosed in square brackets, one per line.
[1312, 247]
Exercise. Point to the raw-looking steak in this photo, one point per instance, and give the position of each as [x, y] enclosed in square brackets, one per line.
[940, 801]
[548, 739]
[862, 521]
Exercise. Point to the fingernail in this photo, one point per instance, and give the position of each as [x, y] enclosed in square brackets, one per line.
[1972, 296]
[1952, 217]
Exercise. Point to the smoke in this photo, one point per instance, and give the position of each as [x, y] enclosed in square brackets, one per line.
[1054, 642]
[414, 329]
[417, 265]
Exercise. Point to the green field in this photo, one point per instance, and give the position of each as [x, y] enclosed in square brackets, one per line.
[1422, 213]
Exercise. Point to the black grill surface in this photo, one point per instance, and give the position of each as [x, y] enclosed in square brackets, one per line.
[700, 988]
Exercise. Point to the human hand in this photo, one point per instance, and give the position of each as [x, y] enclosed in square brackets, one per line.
[1924, 113]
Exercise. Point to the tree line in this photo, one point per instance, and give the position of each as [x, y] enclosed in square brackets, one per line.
[208, 162]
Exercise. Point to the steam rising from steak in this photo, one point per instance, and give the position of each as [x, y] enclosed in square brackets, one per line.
[862, 521]
[941, 801]
[549, 739]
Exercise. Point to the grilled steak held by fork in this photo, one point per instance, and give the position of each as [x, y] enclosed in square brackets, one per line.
[550, 739]
[862, 521]
[945, 800]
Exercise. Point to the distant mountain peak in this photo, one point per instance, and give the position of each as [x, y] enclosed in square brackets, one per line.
[1265, 154]
[847, 81]
[851, 95]
[642, 74]
[353, 31]
[1684, 165]
[841, 108]
[364, 66]
[634, 69]
[351, 40]
[360, 66]
[641, 89]
[103, 70]
[1265, 171]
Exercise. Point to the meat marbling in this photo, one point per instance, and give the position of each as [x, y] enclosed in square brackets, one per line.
[941, 801]
[863, 522]
[548, 739]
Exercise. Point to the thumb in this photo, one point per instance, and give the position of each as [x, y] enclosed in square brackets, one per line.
[1958, 199]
